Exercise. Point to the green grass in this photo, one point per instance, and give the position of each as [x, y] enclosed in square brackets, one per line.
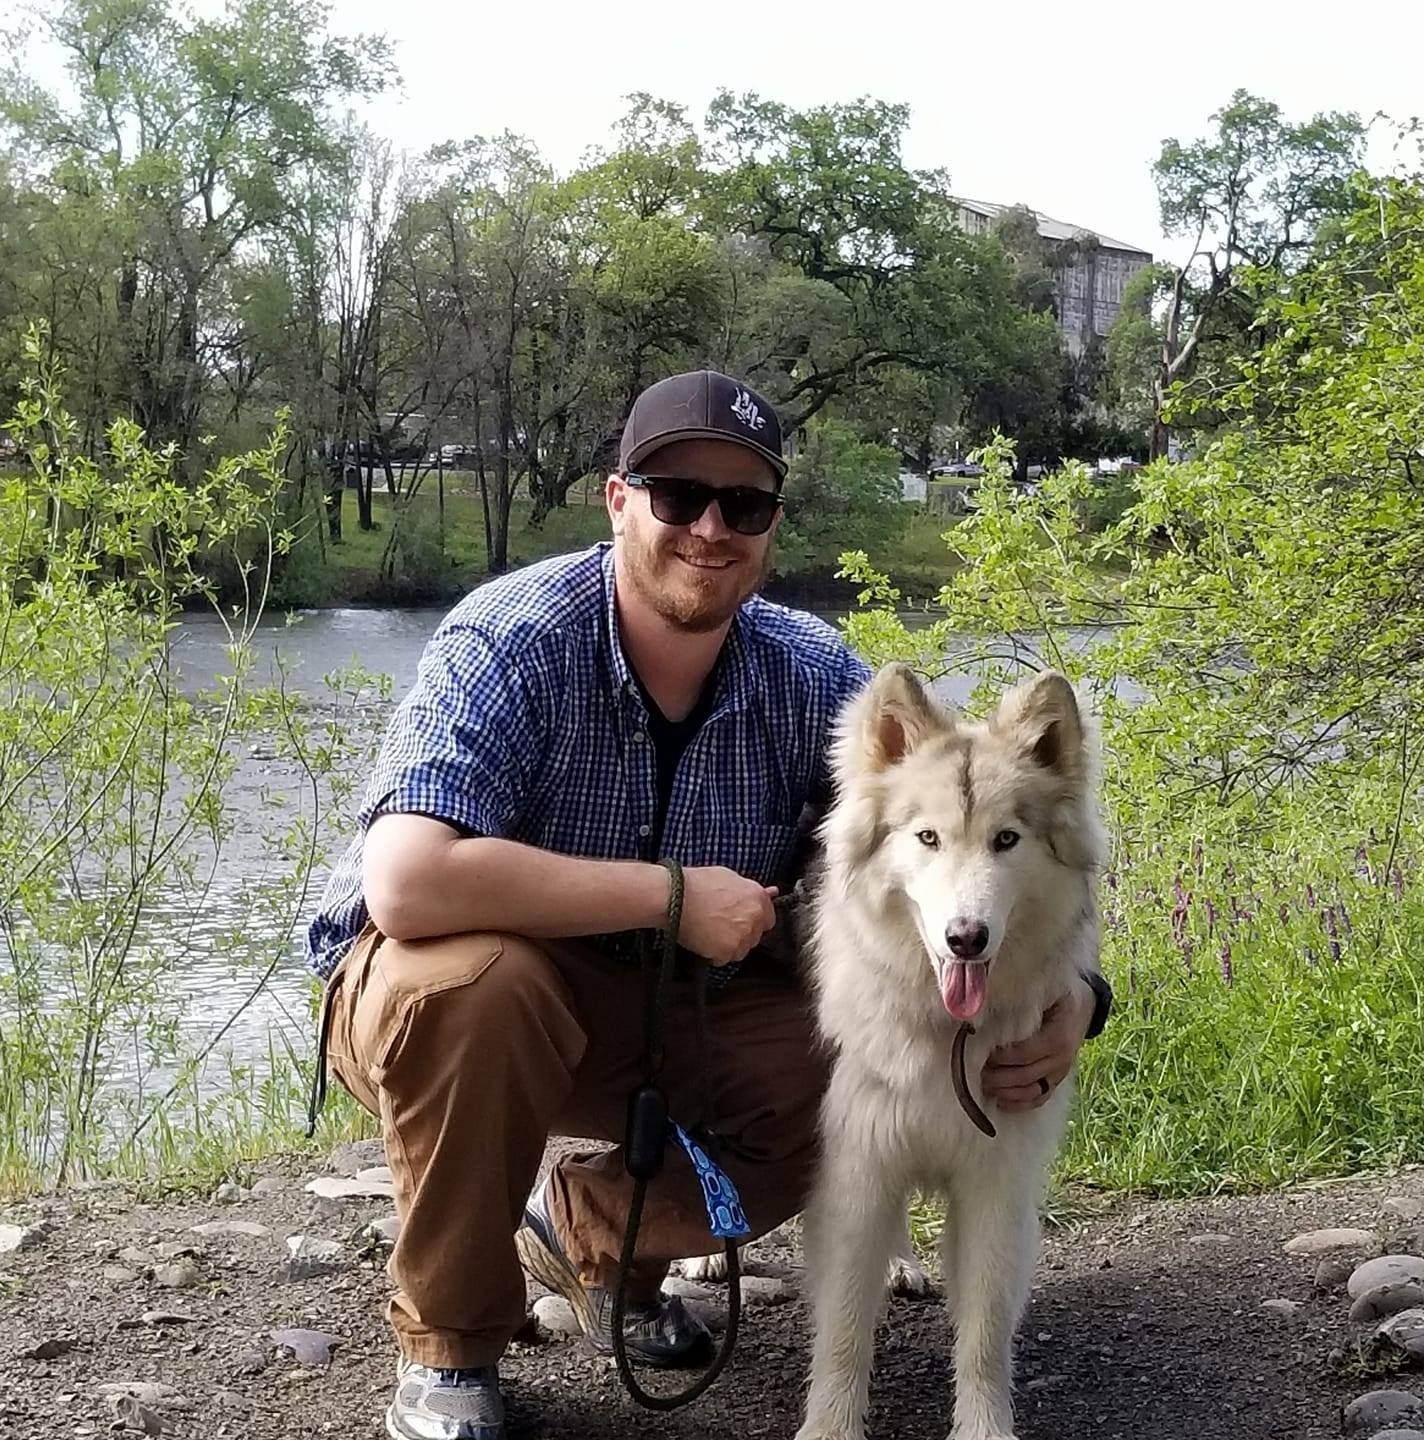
[438, 565]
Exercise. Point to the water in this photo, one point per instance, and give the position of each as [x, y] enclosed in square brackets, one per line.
[206, 985]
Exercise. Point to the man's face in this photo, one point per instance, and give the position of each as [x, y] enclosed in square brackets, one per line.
[696, 575]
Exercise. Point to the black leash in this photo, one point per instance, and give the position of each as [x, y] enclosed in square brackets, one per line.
[645, 1143]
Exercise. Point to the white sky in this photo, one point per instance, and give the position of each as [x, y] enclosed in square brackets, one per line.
[1061, 107]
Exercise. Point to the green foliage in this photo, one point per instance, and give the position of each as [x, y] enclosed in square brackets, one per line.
[1250, 632]
[113, 781]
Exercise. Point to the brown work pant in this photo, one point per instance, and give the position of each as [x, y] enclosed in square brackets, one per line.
[472, 1049]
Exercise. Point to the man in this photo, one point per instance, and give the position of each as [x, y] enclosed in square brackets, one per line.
[570, 724]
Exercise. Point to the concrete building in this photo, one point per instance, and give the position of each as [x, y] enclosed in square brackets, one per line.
[1087, 290]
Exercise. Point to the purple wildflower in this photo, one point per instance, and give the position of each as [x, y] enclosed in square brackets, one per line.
[1210, 916]
[1285, 914]
[1310, 895]
[1227, 973]
[1327, 919]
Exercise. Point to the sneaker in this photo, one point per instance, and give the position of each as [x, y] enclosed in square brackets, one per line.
[434, 1404]
[657, 1332]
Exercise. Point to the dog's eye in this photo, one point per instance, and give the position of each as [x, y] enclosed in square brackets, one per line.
[1006, 839]
[927, 837]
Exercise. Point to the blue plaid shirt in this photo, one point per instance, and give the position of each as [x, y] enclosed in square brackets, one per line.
[525, 722]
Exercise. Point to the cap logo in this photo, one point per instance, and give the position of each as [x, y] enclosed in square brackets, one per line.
[747, 411]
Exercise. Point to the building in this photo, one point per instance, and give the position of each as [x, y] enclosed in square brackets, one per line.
[1089, 287]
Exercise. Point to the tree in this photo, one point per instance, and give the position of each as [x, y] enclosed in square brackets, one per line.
[1252, 196]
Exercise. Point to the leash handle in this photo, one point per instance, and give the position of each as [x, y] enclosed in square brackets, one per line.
[645, 1143]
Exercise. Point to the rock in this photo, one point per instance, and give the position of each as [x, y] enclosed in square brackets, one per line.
[359, 1155]
[385, 1231]
[180, 1275]
[131, 1414]
[334, 1187]
[166, 1317]
[765, 1290]
[310, 1347]
[688, 1289]
[1386, 1300]
[139, 1259]
[1211, 1237]
[146, 1392]
[120, 1274]
[1398, 1435]
[1332, 1242]
[309, 1256]
[248, 1228]
[556, 1315]
[20, 1237]
[1381, 1409]
[1403, 1207]
[1386, 1270]
[174, 1249]
[269, 1185]
[227, 1193]
[49, 1349]
[378, 1174]
[1331, 1275]
[1404, 1334]
[250, 1362]
[231, 1400]
[1286, 1309]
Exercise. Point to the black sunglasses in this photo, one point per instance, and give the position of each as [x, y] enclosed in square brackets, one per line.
[674, 501]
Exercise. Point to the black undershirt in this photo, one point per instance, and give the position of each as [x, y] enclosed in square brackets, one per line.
[669, 738]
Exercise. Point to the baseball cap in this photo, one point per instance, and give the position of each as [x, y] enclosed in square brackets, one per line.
[701, 405]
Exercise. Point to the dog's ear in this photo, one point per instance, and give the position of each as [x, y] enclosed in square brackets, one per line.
[1041, 715]
[899, 716]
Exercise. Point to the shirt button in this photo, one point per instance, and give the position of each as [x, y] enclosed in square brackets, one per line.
[638, 737]
[645, 830]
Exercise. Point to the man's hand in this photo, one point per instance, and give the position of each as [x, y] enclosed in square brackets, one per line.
[723, 914]
[1012, 1073]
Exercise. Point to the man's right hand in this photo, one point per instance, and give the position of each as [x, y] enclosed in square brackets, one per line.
[724, 914]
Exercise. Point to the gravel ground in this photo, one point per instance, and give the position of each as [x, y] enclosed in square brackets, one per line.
[1146, 1321]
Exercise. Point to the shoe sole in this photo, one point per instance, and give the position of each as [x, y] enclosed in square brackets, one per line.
[392, 1429]
[555, 1273]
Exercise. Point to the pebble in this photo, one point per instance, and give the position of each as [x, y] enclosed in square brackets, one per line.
[1404, 1333]
[146, 1392]
[227, 1193]
[180, 1275]
[385, 1231]
[356, 1156]
[310, 1347]
[132, 1255]
[688, 1289]
[250, 1362]
[1287, 1309]
[1331, 1242]
[230, 1400]
[309, 1256]
[1398, 1435]
[1331, 1275]
[1404, 1207]
[1386, 1300]
[377, 1174]
[1386, 1270]
[336, 1187]
[269, 1185]
[131, 1414]
[556, 1315]
[49, 1349]
[20, 1237]
[1381, 1409]
[249, 1228]
[173, 1249]
[766, 1290]
[120, 1274]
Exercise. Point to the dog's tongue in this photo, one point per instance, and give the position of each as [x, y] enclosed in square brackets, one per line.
[963, 988]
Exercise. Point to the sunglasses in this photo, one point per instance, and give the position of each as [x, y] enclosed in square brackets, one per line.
[745, 509]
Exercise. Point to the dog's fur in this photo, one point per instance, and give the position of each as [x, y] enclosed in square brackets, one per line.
[914, 851]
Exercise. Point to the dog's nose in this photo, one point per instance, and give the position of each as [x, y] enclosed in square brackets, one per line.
[967, 938]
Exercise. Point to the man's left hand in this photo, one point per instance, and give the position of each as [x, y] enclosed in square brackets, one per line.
[1015, 1075]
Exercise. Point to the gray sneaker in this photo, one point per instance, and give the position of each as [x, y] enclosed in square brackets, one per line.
[657, 1332]
[446, 1404]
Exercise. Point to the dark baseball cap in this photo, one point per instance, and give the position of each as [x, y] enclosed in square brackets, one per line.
[701, 405]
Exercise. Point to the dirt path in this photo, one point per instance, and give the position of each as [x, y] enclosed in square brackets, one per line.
[1146, 1323]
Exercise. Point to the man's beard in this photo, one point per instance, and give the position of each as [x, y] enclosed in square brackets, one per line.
[682, 596]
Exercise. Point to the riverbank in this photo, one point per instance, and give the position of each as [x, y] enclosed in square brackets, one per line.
[1185, 1320]
[435, 562]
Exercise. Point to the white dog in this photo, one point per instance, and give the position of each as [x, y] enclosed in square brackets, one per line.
[955, 905]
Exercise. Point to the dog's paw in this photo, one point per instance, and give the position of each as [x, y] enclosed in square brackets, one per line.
[704, 1267]
[906, 1276]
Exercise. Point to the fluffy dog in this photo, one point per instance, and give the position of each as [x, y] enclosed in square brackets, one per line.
[955, 904]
